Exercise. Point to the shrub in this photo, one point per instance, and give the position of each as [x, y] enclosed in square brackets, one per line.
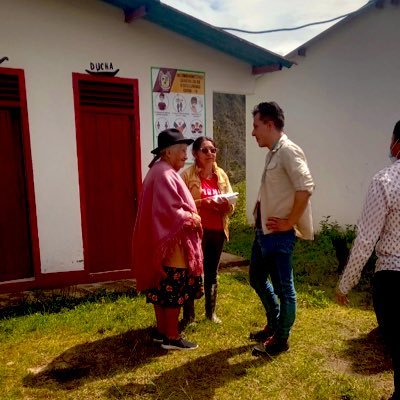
[241, 234]
[342, 239]
[314, 262]
[238, 219]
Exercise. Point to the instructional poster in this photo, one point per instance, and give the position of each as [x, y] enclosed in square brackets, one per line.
[178, 102]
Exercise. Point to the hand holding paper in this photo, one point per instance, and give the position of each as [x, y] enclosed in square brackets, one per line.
[231, 197]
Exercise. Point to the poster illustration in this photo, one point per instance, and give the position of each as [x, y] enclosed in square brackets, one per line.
[178, 102]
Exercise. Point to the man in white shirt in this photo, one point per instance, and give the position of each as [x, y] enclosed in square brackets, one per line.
[282, 212]
[380, 225]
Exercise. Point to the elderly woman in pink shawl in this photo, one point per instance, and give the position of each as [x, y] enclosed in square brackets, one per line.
[167, 254]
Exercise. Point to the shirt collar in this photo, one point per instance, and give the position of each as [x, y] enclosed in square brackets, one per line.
[278, 144]
[198, 169]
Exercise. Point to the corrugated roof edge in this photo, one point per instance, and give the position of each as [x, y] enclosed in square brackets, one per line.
[180, 22]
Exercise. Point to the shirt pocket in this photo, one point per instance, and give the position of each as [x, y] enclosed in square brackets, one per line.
[274, 172]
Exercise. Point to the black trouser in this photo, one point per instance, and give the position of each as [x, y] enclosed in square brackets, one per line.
[387, 306]
[213, 243]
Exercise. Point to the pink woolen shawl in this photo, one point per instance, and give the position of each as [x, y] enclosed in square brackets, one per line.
[164, 218]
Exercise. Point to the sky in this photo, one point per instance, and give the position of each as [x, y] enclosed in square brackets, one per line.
[269, 14]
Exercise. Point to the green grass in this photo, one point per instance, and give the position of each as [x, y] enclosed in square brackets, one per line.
[99, 347]
[314, 262]
[241, 234]
[102, 350]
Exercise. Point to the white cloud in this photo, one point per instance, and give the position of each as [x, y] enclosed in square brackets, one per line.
[268, 14]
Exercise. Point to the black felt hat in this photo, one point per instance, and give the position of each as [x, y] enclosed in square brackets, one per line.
[169, 137]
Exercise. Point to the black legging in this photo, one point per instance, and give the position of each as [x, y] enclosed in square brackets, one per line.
[387, 306]
[213, 243]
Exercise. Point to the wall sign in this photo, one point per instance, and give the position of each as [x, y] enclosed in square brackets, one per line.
[178, 102]
[102, 68]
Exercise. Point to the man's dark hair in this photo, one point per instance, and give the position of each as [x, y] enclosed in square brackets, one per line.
[270, 111]
[396, 131]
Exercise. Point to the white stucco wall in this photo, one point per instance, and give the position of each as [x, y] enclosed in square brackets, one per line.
[51, 39]
[341, 103]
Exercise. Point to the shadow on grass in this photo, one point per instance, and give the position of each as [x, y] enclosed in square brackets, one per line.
[241, 277]
[368, 354]
[96, 360]
[53, 303]
[197, 379]
[107, 357]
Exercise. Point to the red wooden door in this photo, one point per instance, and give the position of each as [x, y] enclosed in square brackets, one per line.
[108, 167]
[15, 240]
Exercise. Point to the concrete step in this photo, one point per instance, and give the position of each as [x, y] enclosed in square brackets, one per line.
[228, 263]
[230, 260]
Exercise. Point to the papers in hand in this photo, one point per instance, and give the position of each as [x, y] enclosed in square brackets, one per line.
[231, 197]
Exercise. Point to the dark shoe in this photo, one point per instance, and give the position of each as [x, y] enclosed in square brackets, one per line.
[157, 336]
[271, 347]
[178, 344]
[263, 335]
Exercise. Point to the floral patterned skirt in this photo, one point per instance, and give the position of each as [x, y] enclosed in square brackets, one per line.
[176, 288]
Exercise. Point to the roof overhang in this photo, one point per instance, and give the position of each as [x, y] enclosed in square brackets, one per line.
[260, 59]
[370, 5]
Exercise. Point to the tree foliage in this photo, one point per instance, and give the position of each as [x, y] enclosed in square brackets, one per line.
[230, 134]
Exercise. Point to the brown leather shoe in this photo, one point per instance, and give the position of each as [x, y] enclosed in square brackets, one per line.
[263, 335]
[271, 347]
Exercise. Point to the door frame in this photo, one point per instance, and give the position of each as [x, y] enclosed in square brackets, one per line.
[76, 77]
[30, 189]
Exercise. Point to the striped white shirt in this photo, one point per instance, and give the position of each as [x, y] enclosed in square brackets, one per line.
[379, 222]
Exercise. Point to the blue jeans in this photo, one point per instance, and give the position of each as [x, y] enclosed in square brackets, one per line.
[271, 276]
